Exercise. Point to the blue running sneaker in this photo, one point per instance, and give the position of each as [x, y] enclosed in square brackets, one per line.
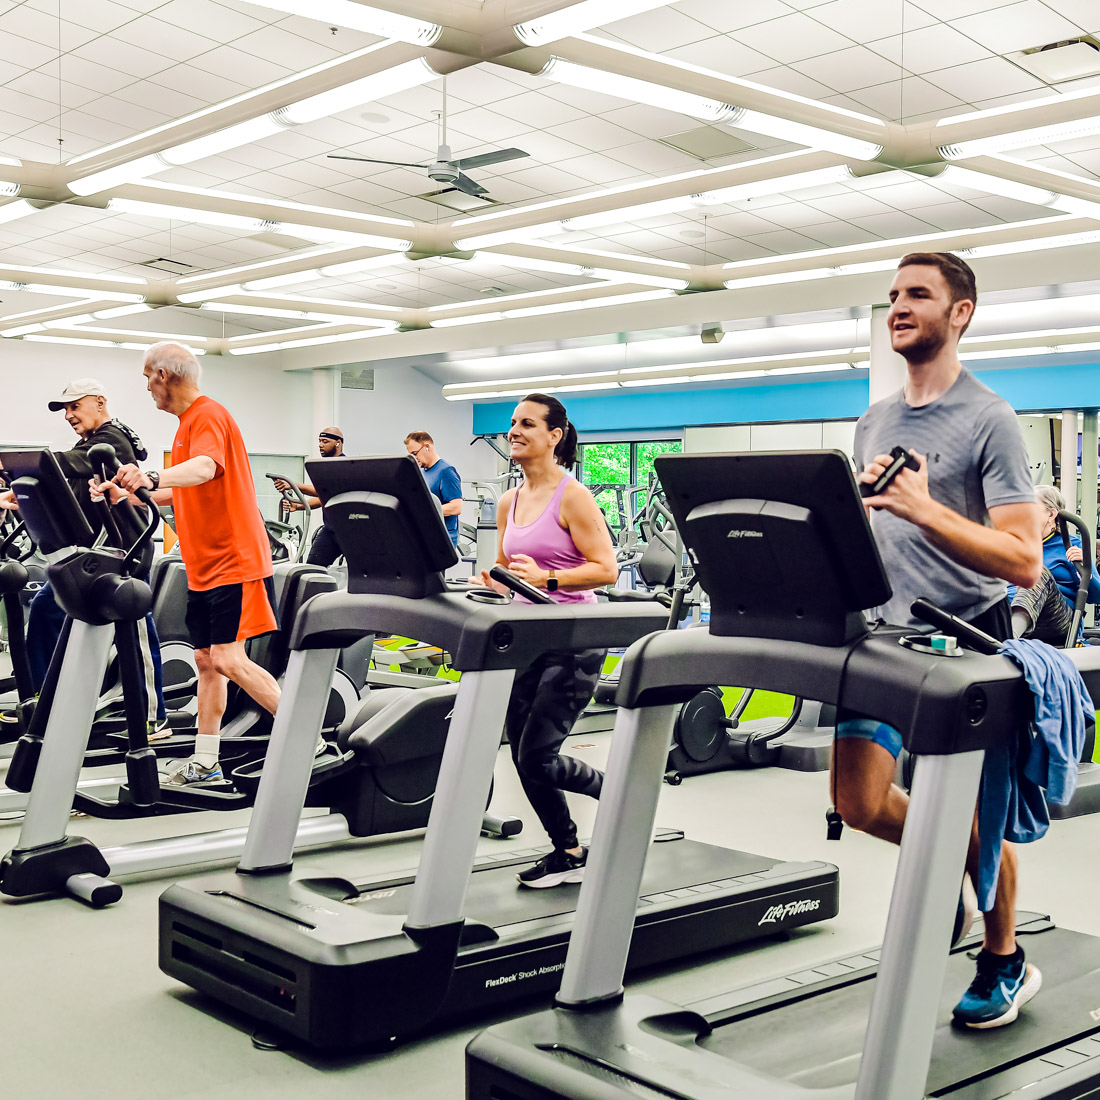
[1003, 983]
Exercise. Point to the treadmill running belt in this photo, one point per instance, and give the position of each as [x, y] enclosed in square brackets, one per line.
[495, 898]
[830, 1026]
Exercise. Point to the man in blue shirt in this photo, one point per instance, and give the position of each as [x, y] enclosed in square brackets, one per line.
[441, 476]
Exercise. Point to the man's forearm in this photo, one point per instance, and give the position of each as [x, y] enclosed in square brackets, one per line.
[1000, 554]
[453, 507]
[195, 471]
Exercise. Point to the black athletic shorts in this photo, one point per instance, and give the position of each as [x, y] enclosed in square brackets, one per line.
[231, 613]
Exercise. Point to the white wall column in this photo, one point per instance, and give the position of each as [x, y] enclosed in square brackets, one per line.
[888, 369]
[1068, 458]
[1089, 443]
[326, 398]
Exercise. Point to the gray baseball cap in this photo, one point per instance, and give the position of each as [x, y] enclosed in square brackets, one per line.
[75, 390]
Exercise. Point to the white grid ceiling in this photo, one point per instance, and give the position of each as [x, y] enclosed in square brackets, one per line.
[125, 66]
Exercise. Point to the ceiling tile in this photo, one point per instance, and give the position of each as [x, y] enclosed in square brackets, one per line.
[206, 86]
[486, 125]
[894, 224]
[796, 215]
[173, 42]
[133, 118]
[42, 83]
[160, 98]
[868, 20]
[650, 156]
[596, 168]
[536, 109]
[29, 107]
[1016, 27]
[281, 48]
[897, 100]
[550, 180]
[792, 38]
[854, 204]
[100, 15]
[594, 134]
[43, 28]
[243, 66]
[724, 16]
[658, 30]
[1085, 13]
[592, 103]
[787, 79]
[544, 149]
[983, 79]
[930, 48]
[30, 54]
[846, 70]
[231, 24]
[723, 54]
[954, 215]
[957, 9]
[115, 54]
[785, 240]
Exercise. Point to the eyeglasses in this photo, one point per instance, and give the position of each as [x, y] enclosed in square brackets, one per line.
[418, 450]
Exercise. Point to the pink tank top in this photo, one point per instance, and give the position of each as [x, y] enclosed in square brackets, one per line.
[550, 544]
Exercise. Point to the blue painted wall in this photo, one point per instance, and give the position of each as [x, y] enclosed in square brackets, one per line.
[1065, 386]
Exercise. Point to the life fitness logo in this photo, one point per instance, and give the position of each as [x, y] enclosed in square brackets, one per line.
[774, 914]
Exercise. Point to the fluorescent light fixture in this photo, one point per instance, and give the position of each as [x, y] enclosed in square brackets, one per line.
[371, 263]
[360, 17]
[70, 291]
[232, 137]
[778, 185]
[469, 319]
[205, 295]
[400, 78]
[15, 163]
[580, 17]
[313, 341]
[638, 91]
[297, 314]
[18, 209]
[1041, 244]
[121, 311]
[188, 214]
[8, 188]
[709, 110]
[334, 271]
[376, 86]
[106, 343]
[610, 275]
[566, 250]
[1016, 139]
[779, 278]
[20, 330]
[589, 303]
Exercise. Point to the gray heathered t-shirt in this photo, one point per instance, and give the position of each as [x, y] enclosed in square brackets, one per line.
[976, 461]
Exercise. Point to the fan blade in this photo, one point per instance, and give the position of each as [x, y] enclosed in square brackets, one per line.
[371, 160]
[495, 157]
[468, 186]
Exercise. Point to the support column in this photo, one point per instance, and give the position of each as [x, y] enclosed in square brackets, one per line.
[326, 398]
[888, 369]
[1089, 442]
[1068, 458]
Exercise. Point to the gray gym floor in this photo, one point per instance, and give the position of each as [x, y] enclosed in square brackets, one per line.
[85, 1012]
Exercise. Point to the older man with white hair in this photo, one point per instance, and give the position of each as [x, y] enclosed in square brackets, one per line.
[223, 542]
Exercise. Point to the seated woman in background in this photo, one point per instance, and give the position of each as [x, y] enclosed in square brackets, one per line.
[1045, 611]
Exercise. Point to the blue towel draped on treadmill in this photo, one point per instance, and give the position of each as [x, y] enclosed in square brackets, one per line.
[1038, 765]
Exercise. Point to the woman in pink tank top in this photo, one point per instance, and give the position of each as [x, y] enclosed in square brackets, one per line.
[552, 534]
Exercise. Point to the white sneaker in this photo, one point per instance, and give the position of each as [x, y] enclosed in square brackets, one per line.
[185, 772]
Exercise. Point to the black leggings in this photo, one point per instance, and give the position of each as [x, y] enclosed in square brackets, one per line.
[546, 700]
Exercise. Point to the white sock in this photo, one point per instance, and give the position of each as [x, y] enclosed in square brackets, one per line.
[206, 749]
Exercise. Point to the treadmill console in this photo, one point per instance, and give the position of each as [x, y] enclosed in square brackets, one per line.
[780, 542]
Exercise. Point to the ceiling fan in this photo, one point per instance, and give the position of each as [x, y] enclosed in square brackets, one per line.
[444, 170]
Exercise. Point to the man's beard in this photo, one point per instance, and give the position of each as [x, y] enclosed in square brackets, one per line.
[929, 345]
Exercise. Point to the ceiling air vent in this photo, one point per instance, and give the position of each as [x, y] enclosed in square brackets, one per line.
[173, 267]
[453, 199]
[1057, 62]
[353, 379]
[707, 143]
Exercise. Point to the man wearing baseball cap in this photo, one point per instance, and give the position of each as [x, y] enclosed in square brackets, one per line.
[85, 404]
[324, 549]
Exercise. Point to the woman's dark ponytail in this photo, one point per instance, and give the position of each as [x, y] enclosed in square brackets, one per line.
[565, 453]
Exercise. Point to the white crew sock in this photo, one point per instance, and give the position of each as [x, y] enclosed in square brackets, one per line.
[206, 749]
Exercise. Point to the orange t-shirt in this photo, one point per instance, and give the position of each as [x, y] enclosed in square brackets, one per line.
[222, 535]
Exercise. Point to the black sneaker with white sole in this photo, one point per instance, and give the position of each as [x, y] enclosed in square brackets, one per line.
[556, 868]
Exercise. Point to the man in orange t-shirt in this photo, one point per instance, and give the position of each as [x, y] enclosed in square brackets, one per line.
[224, 544]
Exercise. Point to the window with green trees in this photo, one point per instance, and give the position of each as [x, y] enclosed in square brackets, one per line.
[619, 474]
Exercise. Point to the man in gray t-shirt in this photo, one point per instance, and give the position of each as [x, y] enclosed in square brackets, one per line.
[953, 531]
[976, 460]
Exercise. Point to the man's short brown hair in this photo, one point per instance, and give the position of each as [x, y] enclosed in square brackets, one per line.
[419, 437]
[956, 272]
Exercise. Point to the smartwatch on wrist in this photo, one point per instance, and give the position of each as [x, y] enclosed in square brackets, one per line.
[551, 581]
[154, 477]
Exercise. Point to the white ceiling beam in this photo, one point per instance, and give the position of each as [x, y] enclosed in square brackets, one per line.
[695, 274]
[1034, 175]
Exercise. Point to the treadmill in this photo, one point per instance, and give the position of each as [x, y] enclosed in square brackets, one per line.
[336, 965]
[875, 1026]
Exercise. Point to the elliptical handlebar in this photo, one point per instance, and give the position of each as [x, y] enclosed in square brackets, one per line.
[103, 455]
[1066, 520]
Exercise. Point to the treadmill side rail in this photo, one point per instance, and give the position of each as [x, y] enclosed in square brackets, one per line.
[898, 1044]
[609, 894]
[285, 779]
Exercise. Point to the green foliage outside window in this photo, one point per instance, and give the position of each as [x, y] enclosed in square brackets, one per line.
[622, 464]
